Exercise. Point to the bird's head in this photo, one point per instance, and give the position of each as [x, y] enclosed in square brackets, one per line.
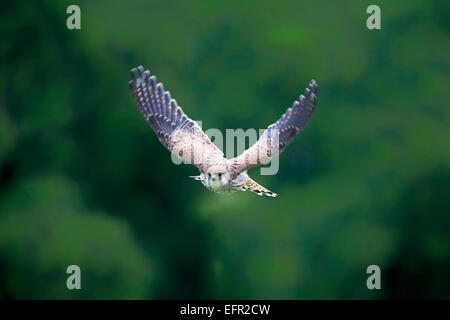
[216, 176]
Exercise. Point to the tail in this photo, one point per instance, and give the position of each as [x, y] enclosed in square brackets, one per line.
[257, 188]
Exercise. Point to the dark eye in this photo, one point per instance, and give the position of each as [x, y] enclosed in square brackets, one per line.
[209, 174]
[220, 174]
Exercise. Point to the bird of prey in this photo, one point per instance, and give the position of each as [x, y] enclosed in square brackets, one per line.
[184, 137]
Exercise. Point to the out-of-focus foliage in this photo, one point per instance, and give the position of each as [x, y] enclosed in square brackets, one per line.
[84, 181]
[41, 234]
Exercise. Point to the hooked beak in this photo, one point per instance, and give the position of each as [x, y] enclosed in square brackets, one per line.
[214, 177]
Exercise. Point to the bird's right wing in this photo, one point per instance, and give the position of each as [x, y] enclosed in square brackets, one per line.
[175, 130]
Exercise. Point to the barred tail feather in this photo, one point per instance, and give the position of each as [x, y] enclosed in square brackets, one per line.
[255, 187]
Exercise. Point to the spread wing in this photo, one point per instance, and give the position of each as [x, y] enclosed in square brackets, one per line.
[175, 130]
[278, 135]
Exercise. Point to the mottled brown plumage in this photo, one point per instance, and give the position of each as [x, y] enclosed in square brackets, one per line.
[278, 135]
[184, 138]
[175, 130]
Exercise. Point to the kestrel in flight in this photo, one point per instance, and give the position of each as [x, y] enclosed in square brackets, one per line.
[184, 137]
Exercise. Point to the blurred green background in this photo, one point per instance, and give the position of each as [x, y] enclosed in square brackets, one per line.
[84, 180]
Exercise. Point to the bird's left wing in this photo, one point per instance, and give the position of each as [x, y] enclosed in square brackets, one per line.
[175, 130]
[278, 135]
